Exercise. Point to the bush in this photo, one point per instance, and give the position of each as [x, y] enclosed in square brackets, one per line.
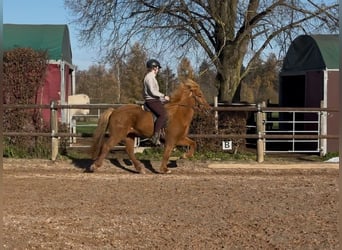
[228, 123]
[24, 72]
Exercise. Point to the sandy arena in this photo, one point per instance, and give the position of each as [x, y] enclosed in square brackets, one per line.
[201, 205]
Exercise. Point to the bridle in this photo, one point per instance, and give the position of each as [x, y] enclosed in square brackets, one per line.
[198, 104]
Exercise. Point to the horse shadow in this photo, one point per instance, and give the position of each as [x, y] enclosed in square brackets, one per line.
[127, 162]
[147, 164]
[85, 164]
[82, 164]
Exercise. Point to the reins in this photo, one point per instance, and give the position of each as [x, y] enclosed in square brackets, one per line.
[195, 107]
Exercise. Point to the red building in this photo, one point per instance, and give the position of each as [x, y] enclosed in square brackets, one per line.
[60, 76]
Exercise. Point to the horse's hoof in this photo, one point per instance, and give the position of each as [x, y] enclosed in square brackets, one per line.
[92, 168]
[165, 171]
[140, 168]
[88, 170]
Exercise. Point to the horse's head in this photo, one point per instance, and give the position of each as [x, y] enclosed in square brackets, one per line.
[196, 92]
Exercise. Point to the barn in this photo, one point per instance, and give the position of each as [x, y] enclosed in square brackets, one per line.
[310, 78]
[60, 76]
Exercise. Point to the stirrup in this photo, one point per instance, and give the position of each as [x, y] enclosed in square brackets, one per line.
[155, 139]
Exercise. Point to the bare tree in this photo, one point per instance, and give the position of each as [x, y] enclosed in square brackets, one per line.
[185, 69]
[232, 33]
[167, 80]
[261, 83]
[206, 79]
[99, 84]
[133, 74]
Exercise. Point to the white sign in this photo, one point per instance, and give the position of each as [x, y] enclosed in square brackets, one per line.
[227, 145]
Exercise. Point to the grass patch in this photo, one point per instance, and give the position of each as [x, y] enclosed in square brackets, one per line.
[86, 128]
[157, 154]
[329, 155]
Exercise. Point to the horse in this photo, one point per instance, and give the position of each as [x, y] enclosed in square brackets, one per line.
[131, 120]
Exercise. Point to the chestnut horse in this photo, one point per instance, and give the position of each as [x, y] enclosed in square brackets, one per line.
[130, 121]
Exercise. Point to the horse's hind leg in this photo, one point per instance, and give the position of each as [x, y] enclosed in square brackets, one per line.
[192, 146]
[129, 141]
[108, 145]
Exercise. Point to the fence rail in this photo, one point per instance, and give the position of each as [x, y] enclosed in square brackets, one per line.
[209, 136]
[105, 106]
[261, 134]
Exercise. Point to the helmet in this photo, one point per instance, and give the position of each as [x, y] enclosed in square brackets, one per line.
[152, 63]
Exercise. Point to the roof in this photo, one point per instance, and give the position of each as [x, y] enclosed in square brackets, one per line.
[51, 38]
[313, 52]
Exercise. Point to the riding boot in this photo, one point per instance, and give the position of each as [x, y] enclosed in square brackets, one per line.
[162, 134]
[156, 139]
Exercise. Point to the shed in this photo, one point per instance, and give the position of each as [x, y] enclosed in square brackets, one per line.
[60, 76]
[310, 78]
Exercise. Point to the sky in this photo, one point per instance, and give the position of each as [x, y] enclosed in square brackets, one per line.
[49, 12]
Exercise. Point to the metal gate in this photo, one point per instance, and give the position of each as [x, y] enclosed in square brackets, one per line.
[294, 123]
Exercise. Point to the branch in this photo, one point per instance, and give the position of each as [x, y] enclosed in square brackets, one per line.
[270, 37]
[249, 23]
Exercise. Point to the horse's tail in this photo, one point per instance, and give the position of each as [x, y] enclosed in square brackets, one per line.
[99, 134]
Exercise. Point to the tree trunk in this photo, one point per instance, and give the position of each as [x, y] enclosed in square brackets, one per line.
[231, 47]
[228, 85]
[228, 78]
[230, 51]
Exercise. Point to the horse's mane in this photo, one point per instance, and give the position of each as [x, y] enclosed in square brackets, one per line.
[183, 90]
[179, 94]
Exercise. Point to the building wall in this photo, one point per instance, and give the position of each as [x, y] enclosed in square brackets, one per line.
[314, 88]
[333, 102]
[51, 90]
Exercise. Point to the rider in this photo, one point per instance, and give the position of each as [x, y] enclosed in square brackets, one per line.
[154, 99]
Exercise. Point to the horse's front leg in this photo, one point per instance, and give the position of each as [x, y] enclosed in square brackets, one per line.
[186, 141]
[167, 152]
[129, 142]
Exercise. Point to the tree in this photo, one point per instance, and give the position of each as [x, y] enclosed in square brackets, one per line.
[167, 80]
[231, 33]
[206, 79]
[185, 70]
[122, 82]
[98, 83]
[133, 74]
[261, 83]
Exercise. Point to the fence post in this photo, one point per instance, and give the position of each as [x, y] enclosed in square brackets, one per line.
[216, 114]
[54, 130]
[323, 130]
[260, 132]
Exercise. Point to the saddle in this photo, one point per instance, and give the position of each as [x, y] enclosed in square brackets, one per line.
[146, 108]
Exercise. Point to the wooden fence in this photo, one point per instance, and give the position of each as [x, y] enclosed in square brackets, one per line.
[260, 134]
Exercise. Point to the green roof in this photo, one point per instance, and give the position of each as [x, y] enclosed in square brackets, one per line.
[313, 52]
[330, 49]
[51, 38]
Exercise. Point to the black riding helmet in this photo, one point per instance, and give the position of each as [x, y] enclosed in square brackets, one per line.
[152, 63]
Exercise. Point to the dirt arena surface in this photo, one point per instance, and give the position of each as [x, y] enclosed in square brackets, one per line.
[200, 205]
